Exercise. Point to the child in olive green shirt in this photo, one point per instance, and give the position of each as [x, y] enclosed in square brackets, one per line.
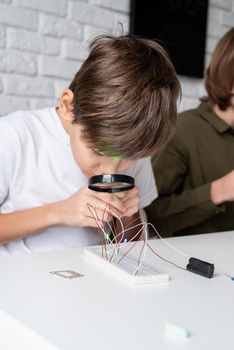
[194, 174]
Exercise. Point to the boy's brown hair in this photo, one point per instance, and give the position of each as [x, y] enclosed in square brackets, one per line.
[219, 80]
[125, 96]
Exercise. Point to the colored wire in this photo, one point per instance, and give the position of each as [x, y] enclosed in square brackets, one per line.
[168, 261]
[170, 245]
[229, 276]
[118, 246]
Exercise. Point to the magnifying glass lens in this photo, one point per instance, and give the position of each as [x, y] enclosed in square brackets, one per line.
[111, 183]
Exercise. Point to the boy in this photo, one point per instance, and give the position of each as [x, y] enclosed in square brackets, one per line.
[119, 109]
[195, 172]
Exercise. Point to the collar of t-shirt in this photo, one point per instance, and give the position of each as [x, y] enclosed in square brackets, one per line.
[213, 119]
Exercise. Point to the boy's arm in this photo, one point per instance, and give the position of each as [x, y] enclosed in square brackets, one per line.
[20, 224]
[73, 211]
[173, 213]
[174, 210]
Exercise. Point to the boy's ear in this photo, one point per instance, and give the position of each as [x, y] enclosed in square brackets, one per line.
[65, 104]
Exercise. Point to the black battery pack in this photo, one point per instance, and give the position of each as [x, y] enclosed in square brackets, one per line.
[200, 267]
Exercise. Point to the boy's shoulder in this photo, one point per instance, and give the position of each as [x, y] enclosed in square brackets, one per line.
[190, 121]
[189, 116]
[18, 117]
[25, 122]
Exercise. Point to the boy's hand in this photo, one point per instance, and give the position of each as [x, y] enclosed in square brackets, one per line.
[222, 190]
[130, 200]
[74, 211]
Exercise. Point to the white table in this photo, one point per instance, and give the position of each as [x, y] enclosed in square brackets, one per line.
[39, 310]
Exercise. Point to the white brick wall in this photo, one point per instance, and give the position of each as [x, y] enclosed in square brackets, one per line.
[18, 17]
[43, 43]
[17, 62]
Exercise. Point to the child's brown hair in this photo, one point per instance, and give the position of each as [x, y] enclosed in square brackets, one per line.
[125, 96]
[219, 80]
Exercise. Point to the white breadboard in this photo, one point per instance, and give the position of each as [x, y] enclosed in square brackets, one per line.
[125, 269]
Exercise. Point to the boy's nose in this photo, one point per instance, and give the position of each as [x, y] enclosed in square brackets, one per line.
[109, 169]
[110, 166]
[114, 166]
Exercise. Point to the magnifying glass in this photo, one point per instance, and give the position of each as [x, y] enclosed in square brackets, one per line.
[111, 183]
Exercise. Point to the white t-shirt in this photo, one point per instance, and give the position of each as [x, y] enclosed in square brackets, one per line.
[37, 168]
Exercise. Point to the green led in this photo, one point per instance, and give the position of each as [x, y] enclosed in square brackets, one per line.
[108, 235]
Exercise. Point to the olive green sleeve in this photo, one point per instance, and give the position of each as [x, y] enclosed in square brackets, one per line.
[177, 209]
